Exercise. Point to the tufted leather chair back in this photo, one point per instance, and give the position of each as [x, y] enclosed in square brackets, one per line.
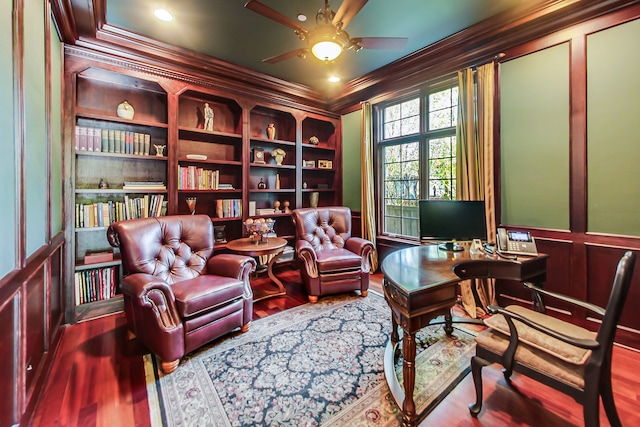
[172, 248]
[324, 228]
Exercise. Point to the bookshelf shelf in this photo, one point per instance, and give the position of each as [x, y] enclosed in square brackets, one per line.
[122, 155]
[98, 115]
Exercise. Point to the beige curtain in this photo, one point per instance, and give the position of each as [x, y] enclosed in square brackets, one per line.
[368, 208]
[475, 172]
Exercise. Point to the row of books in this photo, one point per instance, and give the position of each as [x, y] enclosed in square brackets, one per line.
[102, 214]
[95, 285]
[112, 141]
[228, 208]
[196, 178]
[144, 185]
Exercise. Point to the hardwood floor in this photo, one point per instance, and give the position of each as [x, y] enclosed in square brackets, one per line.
[98, 380]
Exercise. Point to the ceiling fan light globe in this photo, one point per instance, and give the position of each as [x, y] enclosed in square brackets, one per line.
[326, 50]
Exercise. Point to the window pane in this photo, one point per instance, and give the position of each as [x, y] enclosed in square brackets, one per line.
[410, 125]
[440, 119]
[441, 147]
[392, 113]
[411, 108]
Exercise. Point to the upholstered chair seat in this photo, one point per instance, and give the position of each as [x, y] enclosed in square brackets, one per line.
[331, 260]
[177, 296]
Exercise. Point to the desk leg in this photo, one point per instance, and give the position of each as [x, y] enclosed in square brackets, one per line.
[409, 378]
[448, 323]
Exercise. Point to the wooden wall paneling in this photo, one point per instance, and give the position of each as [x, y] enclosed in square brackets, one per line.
[35, 327]
[10, 357]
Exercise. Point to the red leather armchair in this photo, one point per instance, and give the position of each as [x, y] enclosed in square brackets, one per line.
[178, 297]
[331, 261]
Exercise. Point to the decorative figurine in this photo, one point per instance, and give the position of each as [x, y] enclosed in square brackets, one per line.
[271, 131]
[276, 206]
[279, 154]
[277, 181]
[159, 150]
[262, 185]
[314, 140]
[208, 117]
[285, 207]
[103, 184]
[125, 110]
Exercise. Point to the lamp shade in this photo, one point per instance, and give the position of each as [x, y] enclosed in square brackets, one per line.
[327, 43]
[326, 50]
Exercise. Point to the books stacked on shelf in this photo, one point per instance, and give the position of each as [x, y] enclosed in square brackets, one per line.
[95, 284]
[228, 208]
[195, 178]
[96, 257]
[144, 185]
[102, 214]
[112, 141]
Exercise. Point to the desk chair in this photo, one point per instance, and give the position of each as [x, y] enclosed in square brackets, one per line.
[561, 355]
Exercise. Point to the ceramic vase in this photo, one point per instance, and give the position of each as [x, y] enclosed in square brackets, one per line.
[125, 110]
[271, 131]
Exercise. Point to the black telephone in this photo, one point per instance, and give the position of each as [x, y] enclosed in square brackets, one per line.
[516, 242]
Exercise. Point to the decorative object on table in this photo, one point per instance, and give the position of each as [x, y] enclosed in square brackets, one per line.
[125, 110]
[271, 131]
[219, 234]
[279, 154]
[285, 207]
[304, 185]
[103, 184]
[276, 206]
[196, 157]
[313, 199]
[309, 163]
[258, 155]
[208, 117]
[277, 186]
[191, 203]
[314, 140]
[260, 228]
[325, 164]
[159, 150]
[262, 185]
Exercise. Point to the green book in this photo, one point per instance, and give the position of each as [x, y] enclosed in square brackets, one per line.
[112, 141]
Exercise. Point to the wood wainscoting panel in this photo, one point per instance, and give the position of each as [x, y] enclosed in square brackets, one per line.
[8, 366]
[601, 268]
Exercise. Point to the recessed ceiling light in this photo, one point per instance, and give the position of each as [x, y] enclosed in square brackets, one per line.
[334, 79]
[302, 17]
[163, 15]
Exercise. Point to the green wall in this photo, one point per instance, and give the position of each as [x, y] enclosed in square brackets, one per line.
[36, 130]
[351, 181]
[534, 119]
[8, 172]
[613, 129]
[57, 201]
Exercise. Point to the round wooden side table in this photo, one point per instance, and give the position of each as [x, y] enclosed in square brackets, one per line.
[251, 247]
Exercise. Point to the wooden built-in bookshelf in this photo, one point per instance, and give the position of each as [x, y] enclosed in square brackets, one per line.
[170, 113]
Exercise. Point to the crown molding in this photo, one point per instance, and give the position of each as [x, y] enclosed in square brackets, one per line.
[472, 46]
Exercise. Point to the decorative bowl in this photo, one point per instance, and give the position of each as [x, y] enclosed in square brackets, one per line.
[260, 228]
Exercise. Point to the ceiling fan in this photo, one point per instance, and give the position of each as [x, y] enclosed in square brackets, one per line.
[327, 39]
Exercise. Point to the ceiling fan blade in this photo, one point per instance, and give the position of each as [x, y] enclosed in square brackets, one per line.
[347, 11]
[298, 52]
[267, 12]
[390, 43]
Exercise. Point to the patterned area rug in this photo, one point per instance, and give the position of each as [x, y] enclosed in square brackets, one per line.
[316, 364]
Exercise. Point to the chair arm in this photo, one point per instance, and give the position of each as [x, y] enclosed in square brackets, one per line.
[362, 247]
[305, 252]
[591, 307]
[231, 265]
[153, 294]
[510, 316]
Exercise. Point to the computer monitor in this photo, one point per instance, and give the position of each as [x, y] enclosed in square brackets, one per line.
[452, 220]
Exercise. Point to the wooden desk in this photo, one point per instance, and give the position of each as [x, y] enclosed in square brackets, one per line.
[273, 246]
[420, 285]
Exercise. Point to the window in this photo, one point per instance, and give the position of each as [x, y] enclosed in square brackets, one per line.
[417, 156]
